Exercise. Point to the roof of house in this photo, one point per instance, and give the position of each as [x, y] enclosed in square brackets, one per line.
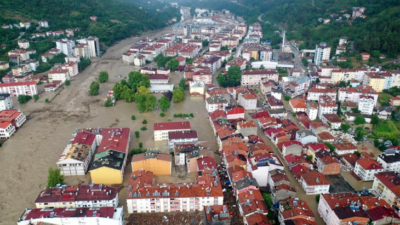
[369, 164]
[182, 134]
[103, 212]
[325, 136]
[351, 158]
[344, 146]
[298, 103]
[152, 155]
[314, 178]
[206, 163]
[185, 125]
[382, 212]
[332, 118]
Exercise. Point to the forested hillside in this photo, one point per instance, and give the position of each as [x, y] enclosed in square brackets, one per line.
[116, 19]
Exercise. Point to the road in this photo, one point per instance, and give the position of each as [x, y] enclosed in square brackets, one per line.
[298, 64]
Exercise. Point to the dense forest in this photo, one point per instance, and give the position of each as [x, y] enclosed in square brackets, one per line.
[116, 19]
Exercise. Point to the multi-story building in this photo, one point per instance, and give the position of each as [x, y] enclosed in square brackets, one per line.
[366, 104]
[327, 164]
[248, 101]
[216, 214]
[93, 195]
[161, 130]
[93, 45]
[367, 168]
[322, 53]
[44, 23]
[378, 81]
[99, 215]
[217, 102]
[260, 164]
[305, 137]
[19, 88]
[387, 185]
[153, 161]
[298, 105]
[75, 159]
[15, 117]
[66, 46]
[72, 68]
[145, 196]
[213, 62]
[7, 129]
[181, 137]
[312, 110]
[314, 182]
[332, 120]
[326, 105]
[314, 93]
[294, 208]
[82, 50]
[6, 102]
[353, 94]
[109, 162]
[59, 74]
[390, 160]
[256, 77]
[350, 208]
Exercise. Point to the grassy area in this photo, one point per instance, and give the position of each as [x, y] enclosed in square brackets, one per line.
[384, 98]
[387, 129]
[355, 62]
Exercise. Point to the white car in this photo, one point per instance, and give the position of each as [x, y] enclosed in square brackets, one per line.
[165, 218]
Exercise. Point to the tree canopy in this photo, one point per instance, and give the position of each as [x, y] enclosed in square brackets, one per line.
[103, 77]
[232, 79]
[94, 88]
[178, 95]
[54, 177]
[164, 103]
[146, 102]
[173, 64]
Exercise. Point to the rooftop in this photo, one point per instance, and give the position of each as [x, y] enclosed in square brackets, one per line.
[185, 125]
[369, 164]
[103, 212]
[314, 178]
[172, 135]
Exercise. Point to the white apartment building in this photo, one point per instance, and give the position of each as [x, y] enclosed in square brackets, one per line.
[217, 102]
[24, 44]
[181, 137]
[266, 55]
[161, 130]
[82, 50]
[386, 185]
[260, 165]
[366, 168]
[72, 68]
[314, 93]
[5, 101]
[322, 53]
[390, 160]
[326, 106]
[248, 101]
[144, 196]
[76, 157]
[93, 45]
[61, 216]
[59, 74]
[353, 94]
[66, 46]
[92, 195]
[255, 77]
[20, 88]
[314, 182]
[6, 129]
[312, 110]
[366, 104]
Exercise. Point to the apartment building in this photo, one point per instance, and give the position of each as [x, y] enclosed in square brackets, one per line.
[13, 116]
[19, 88]
[153, 161]
[59, 74]
[66, 46]
[6, 102]
[7, 129]
[315, 93]
[63, 196]
[322, 53]
[326, 105]
[256, 77]
[390, 160]
[378, 81]
[366, 104]
[181, 137]
[366, 168]
[387, 184]
[161, 130]
[353, 94]
[314, 182]
[260, 164]
[100, 215]
[145, 196]
[248, 101]
[216, 103]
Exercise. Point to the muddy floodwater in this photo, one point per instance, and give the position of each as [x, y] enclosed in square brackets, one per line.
[26, 157]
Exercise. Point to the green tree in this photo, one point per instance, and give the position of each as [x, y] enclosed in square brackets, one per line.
[267, 199]
[375, 119]
[46, 100]
[287, 97]
[108, 103]
[162, 114]
[22, 99]
[54, 177]
[140, 144]
[67, 82]
[178, 95]
[359, 57]
[317, 81]
[359, 120]
[133, 117]
[164, 103]
[128, 94]
[173, 64]
[304, 61]
[103, 77]
[357, 153]
[146, 102]
[376, 54]
[143, 128]
[144, 121]
[317, 197]
[182, 83]
[205, 43]
[36, 97]
[137, 134]
[224, 48]
[262, 67]
[94, 88]
[330, 146]
[345, 127]
[221, 79]
[359, 134]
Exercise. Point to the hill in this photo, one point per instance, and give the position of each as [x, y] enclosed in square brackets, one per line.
[116, 19]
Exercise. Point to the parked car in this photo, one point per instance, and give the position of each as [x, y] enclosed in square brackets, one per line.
[166, 218]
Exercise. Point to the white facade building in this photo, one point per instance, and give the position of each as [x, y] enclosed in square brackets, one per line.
[322, 53]
[326, 106]
[21, 88]
[5, 101]
[66, 46]
[314, 183]
[366, 169]
[390, 160]
[161, 130]
[6, 130]
[366, 104]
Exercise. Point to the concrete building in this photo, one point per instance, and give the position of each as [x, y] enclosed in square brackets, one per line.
[298, 105]
[367, 168]
[109, 162]
[260, 164]
[326, 105]
[312, 110]
[181, 137]
[100, 216]
[168, 197]
[20, 88]
[305, 137]
[353, 94]
[327, 164]
[256, 77]
[366, 104]
[248, 101]
[59, 74]
[66, 46]
[7, 129]
[387, 184]
[196, 88]
[247, 128]
[216, 215]
[153, 161]
[333, 120]
[389, 160]
[13, 116]
[214, 103]
[314, 182]
[6, 102]
[161, 130]
[322, 53]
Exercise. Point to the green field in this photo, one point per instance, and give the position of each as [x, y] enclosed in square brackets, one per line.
[387, 129]
[384, 98]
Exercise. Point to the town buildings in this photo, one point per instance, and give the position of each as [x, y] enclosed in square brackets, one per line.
[326, 105]
[389, 160]
[19, 88]
[255, 77]
[153, 161]
[181, 137]
[366, 168]
[322, 53]
[6, 102]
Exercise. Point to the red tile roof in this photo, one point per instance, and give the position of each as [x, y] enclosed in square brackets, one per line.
[298, 103]
[84, 138]
[206, 163]
[114, 139]
[18, 84]
[182, 134]
[314, 178]
[104, 212]
[172, 126]
[369, 164]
